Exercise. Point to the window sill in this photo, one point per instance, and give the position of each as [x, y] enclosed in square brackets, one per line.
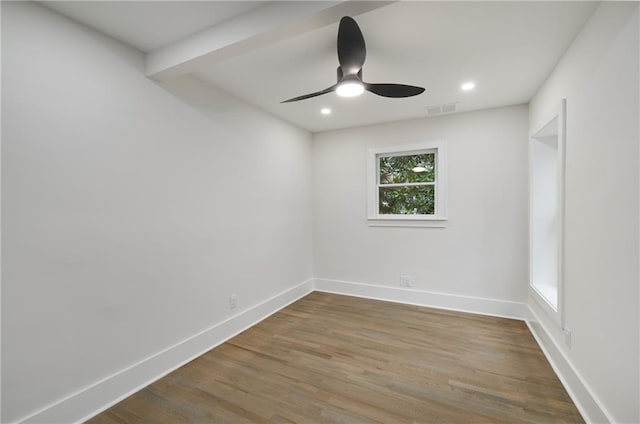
[407, 221]
[544, 304]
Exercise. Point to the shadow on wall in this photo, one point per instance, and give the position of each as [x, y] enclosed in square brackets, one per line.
[223, 108]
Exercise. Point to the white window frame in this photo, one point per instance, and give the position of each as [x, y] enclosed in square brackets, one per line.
[439, 218]
[556, 313]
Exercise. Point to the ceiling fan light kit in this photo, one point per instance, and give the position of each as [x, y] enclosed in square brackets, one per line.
[349, 89]
[351, 56]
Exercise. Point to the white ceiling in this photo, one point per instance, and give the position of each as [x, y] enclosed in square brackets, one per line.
[148, 25]
[506, 48]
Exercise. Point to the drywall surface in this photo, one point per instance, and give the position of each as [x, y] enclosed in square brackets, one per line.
[131, 211]
[598, 75]
[482, 252]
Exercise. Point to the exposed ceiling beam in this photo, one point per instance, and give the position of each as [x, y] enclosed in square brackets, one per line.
[267, 24]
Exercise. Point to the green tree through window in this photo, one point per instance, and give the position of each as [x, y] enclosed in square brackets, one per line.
[407, 184]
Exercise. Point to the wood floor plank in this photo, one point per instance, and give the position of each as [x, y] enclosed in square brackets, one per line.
[338, 359]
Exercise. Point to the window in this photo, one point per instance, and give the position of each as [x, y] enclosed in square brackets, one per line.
[546, 215]
[407, 185]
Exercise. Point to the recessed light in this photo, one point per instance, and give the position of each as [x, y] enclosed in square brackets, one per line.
[325, 111]
[419, 169]
[468, 86]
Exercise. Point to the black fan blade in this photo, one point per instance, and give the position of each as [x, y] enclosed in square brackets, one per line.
[308, 96]
[394, 90]
[351, 49]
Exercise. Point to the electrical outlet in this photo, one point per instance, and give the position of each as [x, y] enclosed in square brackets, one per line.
[405, 281]
[567, 336]
[233, 301]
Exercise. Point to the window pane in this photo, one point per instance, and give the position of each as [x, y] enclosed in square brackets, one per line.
[412, 200]
[407, 169]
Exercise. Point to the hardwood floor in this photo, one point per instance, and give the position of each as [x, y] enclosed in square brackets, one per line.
[338, 359]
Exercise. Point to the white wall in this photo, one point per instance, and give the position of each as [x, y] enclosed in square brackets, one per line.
[599, 77]
[482, 252]
[130, 211]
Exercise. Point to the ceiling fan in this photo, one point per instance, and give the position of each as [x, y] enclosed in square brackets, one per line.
[351, 55]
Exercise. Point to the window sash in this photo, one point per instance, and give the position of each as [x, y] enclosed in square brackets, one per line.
[402, 152]
[406, 184]
[433, 183]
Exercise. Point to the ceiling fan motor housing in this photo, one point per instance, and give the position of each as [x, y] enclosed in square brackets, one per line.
[342, 77]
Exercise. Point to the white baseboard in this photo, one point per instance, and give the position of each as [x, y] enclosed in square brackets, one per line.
[90, 401]
[591, 408]
[476, 305]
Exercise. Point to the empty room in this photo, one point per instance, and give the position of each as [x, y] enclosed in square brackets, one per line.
[320, 212]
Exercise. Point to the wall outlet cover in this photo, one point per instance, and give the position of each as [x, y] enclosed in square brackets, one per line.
[405, 281]
[567, 336]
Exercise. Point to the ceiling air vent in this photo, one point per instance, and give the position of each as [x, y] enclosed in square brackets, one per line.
[440, 109]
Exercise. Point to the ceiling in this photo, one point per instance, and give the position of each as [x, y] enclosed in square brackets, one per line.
[148, 25]
[507, 48]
